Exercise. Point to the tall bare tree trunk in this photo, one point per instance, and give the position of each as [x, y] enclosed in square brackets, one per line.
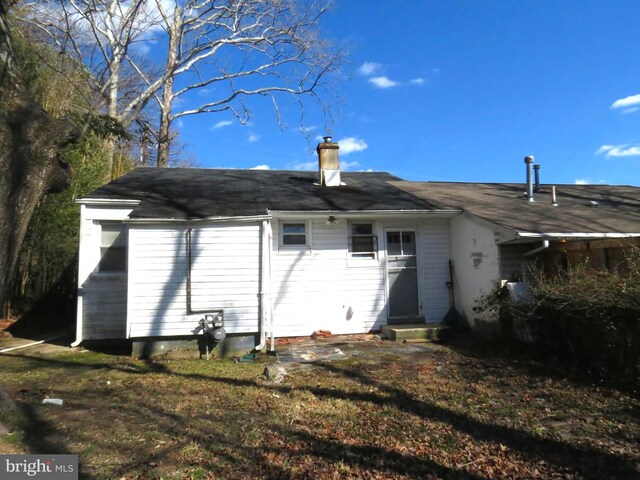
[164, 137]
[30, 143]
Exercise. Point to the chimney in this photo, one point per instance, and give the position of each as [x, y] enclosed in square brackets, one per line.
[328, 163]
[529, 162]
[536, 171]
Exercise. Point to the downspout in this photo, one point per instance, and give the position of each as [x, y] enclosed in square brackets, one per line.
[80, 291]
[264, 279]
[523, 264]
[269, 286]
[544, 246]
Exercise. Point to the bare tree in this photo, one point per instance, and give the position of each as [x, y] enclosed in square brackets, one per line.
[99, 34]
[245, 48]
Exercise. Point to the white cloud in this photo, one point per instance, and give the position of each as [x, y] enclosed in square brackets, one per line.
[587, 181]
[308, 129]
[618, 151]
[417, 81]
[351, 144]
[630, 110]
[348, 165]
[306, 165]
[383, 82]
[254, 138]
[626, 102]
[179, 123]
[369, 68]
[222, 124]
[261, 167]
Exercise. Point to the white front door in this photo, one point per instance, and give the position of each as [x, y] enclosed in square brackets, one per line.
[402, 276]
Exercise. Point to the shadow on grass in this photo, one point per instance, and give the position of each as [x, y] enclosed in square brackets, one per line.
[535, 362]
[588, 462]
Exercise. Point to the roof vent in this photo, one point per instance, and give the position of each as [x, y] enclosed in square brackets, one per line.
[328, 163]
[528, 160]
[536, 172]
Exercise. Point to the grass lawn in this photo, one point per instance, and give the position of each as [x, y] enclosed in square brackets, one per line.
[445, 413]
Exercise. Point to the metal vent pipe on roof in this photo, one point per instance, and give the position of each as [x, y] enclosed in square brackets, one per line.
[536, 171]
[528, 160]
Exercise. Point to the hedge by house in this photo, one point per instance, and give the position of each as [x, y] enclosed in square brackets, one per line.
[589, 317]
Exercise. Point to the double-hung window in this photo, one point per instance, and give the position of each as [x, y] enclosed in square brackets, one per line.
[362, 241]
[294, 234]
[113, 248]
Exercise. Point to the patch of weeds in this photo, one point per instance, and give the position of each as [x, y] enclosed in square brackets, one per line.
[89, 450]
[13, 437]
[196, 474]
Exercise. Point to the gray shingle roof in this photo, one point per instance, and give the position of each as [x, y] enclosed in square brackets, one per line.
[617, 210]
[191, 193]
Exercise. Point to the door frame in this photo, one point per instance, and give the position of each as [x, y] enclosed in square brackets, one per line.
[419, 317]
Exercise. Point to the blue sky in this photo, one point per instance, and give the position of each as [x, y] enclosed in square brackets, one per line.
[462, 91]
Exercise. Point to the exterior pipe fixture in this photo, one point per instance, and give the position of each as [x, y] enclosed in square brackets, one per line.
[265, 282]
[544, 246]
[536, 172]
[554, 200]
[528, 160]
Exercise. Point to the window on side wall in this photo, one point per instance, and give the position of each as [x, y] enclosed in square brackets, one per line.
[294, 234]
[362, 242]
[113, 248]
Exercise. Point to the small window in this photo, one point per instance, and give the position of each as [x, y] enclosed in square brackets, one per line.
[294, 235]
[362, 242]
[113, 248]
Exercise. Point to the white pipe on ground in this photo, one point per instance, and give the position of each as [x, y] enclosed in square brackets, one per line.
[11, 349]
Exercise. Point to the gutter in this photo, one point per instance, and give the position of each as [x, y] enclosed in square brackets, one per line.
[360, 213]
[191, 221]
[591, 235]
[108, 202]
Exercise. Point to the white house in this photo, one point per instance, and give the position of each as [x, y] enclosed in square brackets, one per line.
[277, 253]
[284, 253]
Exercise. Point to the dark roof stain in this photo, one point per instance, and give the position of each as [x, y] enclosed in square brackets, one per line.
[617, 210]
[192, 193]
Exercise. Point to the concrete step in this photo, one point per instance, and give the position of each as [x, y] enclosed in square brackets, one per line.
[418, 331]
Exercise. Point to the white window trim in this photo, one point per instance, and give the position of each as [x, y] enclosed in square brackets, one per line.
[294, 248]
[355, 261]
[111, 273]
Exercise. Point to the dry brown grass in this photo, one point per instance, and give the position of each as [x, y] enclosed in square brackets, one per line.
[431, 414]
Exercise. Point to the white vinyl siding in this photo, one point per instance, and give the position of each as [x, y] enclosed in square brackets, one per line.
[316, 289]
[225, 275]
[435, 252]
[102, 296]
[321, 289]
